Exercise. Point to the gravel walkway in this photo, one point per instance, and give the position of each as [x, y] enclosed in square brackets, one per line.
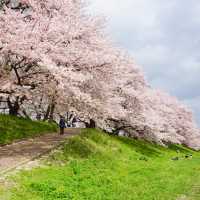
[19, 153]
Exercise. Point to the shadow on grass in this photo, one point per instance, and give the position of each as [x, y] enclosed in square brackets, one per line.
[145, 148]
[151, 149]
[179, 148]
[80, 147]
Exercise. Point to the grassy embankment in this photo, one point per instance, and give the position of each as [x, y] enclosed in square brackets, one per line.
[14, 128]
[96, 166]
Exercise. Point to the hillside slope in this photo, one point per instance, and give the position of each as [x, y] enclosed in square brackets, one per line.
[14, 128]
[96, 166]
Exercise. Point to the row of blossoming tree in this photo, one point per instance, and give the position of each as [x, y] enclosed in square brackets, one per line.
[55, 57]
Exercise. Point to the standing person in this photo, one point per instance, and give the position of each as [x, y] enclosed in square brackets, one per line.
[62, 125]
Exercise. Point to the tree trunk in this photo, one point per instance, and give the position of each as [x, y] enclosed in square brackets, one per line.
[13, 107]
[46, 116]
[92, 124]
[51, 112]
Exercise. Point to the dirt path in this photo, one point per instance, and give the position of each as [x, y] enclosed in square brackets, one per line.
[19, 153]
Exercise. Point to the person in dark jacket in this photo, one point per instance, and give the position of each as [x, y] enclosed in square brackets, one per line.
[62, 125]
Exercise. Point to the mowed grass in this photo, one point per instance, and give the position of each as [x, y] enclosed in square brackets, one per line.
[13, 128]
[96, 166]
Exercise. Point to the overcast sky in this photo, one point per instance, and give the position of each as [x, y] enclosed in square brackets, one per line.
[164, 38]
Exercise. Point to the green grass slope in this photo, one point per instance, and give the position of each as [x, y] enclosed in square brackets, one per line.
[96, 166]
[14, 128]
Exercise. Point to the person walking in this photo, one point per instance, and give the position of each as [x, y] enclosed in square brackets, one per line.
[62, 125]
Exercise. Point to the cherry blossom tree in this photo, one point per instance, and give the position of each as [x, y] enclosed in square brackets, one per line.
[48, 34]
[56, 59]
